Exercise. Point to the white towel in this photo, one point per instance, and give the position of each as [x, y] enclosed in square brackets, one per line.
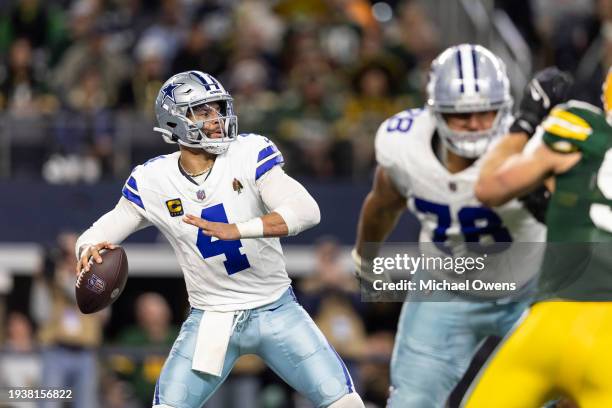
[211, 345]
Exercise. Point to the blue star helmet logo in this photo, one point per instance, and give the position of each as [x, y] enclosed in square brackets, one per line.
[168, 91]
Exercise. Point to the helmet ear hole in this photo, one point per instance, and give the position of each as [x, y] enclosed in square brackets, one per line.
[171, 124]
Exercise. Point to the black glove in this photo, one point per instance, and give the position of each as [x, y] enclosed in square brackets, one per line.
[546, 89]
[536, 203]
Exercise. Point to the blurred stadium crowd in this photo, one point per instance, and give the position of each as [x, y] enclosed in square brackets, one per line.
[77, 83]
[79, 77]
[318, 76]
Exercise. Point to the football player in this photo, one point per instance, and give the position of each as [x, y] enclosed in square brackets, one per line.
[222, 201]
[563, 344]
[428, 159]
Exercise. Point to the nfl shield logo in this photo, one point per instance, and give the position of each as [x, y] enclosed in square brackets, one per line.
[96, 284]
[201, 194]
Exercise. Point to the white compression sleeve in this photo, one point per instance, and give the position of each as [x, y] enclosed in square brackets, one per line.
[287, 197]
[114, 226]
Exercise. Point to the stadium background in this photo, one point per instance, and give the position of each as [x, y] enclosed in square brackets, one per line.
[77, 83]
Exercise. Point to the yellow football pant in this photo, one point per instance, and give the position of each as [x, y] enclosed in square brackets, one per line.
[559, 348]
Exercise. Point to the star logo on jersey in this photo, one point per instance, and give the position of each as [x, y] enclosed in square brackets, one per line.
[175, 207]
[168, 91]
[237, 185]
[201, 194]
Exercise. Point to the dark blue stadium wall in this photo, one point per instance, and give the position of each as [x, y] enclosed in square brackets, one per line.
[36, 212]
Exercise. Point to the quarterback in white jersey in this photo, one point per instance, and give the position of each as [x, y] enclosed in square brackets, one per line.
[222, 201]
[220, 275]
[428, 160]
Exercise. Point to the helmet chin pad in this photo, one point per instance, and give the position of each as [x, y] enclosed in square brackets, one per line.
[216, 150]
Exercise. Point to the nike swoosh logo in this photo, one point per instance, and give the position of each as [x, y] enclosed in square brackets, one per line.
[534, 93]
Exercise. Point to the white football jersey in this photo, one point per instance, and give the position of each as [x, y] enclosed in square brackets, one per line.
[445, 203]
[219, 275]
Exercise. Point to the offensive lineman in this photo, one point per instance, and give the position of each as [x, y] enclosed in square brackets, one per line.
[563, 344]
[222, 201]
[428, 160]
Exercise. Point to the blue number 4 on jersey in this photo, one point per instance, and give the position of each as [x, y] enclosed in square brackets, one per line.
[235, 261]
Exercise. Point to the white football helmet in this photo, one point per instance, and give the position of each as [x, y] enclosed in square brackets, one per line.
[179, 96]
[469, 78]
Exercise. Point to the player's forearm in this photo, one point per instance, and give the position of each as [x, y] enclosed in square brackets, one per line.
[492, 192]
[511, 144]
[517, 176]
[274, 225]
[376, 221]
[293, 215]
[491, 188]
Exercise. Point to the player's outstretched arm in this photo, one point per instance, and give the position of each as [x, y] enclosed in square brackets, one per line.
[269, 225]
[380, 212]
[511, 144]
[292, 210]
[522, 173]
[547, 88]
[110, 229]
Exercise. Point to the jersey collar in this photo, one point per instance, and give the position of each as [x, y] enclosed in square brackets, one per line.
[188, 177]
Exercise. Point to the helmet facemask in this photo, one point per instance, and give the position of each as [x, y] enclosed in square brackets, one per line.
[211, 134]
[471, 144]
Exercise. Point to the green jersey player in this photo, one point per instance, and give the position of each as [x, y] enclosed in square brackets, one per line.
[562, 346]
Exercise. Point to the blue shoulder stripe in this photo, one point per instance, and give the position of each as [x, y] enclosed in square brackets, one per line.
[266, 152]
[133, 197]
[132, 183]
[264, 168]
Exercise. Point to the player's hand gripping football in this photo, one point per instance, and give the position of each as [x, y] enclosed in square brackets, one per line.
[220, 230]
[92, 251]
[547, 88]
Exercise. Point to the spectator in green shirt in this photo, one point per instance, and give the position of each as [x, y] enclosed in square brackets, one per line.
[153, 334]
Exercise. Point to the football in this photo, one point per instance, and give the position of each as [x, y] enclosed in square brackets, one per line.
[104, 282]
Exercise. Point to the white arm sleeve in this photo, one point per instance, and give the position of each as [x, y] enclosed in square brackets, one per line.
[114, 226]
[287, 197]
